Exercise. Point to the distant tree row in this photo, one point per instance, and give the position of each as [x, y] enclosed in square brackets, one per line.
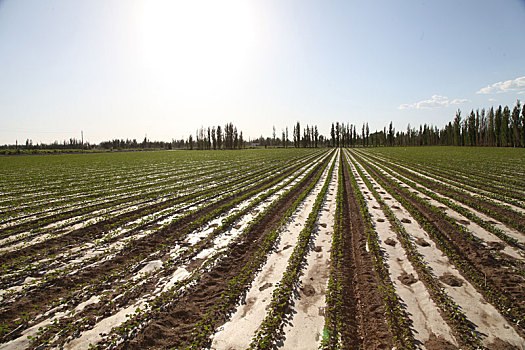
[496, 128]
[217, 138]
[499, 127]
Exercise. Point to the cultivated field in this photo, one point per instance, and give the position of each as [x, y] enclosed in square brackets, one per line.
[292, 248]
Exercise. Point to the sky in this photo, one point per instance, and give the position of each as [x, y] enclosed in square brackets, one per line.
[130, 68]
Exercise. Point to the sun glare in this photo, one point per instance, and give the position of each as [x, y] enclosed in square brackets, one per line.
[197, 47]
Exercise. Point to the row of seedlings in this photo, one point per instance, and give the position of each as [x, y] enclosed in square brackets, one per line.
[496, 294]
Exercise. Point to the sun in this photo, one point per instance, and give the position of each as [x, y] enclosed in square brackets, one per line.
[197, 47]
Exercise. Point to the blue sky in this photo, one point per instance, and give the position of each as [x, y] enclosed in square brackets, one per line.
[123, 69]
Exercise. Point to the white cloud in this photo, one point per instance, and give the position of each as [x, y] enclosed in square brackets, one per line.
[436, 101]
[517, 85]
[458, 101]
[493, 100]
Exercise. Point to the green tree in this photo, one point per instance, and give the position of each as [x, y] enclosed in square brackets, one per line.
[497, 125]
[332, 135]
[391, 134]
[472, 128]
[491, 131]
[516, 125]
[367, 130]
[457, 129]
[505, 127]
[219, 137]
[522, 126]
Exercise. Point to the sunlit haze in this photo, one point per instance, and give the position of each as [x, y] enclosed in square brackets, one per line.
[126, 69]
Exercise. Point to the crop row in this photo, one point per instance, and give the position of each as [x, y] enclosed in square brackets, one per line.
[237, 284]
[270, 329]
[450, 309]
[471, 269]
[120, 270]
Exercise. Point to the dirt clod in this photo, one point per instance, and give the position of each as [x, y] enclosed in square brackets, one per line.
[496, 245]
[451, 280]
[380, 220]
[308, 290]
[420, 241]
[464, 222]
[390, 242]
[406, 221]
[265, 286]
[318, 248]
[407, 279]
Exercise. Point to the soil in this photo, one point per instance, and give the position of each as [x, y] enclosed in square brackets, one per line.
[420, 241]
[517, 217]
[407, 279]
[364, 321]
[265, 286]
[451, 280]
[499, 344]
[496, 245]
[34, 301]
[93, 232]
[171, 327]
[438, 343]
[390, 242]
[508, 281]
[307, 290]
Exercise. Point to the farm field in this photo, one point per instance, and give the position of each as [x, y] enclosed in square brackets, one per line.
[360, 248]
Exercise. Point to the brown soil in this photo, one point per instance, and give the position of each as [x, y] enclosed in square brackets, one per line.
[364, 322]
[37, 300]
[390, 242]
[451, 280]
[172, 326]
[480, 258]
[307, 290]
[496, 245]
[265, 286]
[438, 343]
[406, 221]
[54, 246]
[517, 217]
[407, 279]
[499, 344]
[90, 208]
[420, 241]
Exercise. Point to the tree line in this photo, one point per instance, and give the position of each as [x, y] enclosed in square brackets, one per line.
[496, 127]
